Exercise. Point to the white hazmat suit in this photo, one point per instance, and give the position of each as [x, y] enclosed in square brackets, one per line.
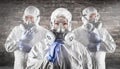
[68, 55]
[21, 39]
[105, 42]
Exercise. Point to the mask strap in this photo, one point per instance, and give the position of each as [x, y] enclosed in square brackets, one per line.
[85, 17]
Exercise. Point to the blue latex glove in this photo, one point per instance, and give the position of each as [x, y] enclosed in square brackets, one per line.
[54, 51]
[93, 47]
[94, 38]
[24, 47]
[95, 41]
[27, 36]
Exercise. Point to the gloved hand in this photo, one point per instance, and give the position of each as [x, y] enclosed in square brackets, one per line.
[53, 51]
[94, 38]
[27, 36]
[24, 46]
[93, 47]
[95, 41]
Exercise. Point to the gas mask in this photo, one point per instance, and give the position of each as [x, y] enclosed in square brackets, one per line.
[28, 24]
[60, 32]
[90, 17]
[95, 24]
[91, 24]
[94, 20]
[60, 23]
[59, 35]
[31, 17]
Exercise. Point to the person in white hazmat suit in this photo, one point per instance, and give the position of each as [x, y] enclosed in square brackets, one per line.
[24, 36]
[96, 38]
[59, 50]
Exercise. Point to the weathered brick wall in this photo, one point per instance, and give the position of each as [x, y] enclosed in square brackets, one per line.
[11, 15]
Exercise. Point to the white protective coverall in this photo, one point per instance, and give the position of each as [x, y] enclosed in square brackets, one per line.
[12, 42]
[71, 54]
[107, 44]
